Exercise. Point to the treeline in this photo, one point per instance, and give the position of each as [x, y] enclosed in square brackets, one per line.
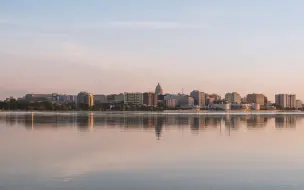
[40, 106]
[15, 105]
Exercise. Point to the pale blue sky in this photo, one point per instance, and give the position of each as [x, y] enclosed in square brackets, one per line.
[111, 46]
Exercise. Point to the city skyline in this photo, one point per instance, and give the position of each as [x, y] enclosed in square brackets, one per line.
[160, 90]
[100, 47]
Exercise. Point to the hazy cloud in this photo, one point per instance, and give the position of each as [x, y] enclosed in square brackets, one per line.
[139, 25]
[152, 24]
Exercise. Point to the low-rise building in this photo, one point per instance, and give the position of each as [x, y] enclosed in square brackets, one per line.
[299, 104]
[225, 107]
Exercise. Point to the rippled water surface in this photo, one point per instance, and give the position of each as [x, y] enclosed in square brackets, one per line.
[128, 151]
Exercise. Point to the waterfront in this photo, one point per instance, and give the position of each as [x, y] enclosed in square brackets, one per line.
[128, 150]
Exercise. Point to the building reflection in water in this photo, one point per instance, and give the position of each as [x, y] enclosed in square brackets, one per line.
[256, 121]
[286, 121]
[85, 121]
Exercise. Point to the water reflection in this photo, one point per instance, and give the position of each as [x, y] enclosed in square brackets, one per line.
[136, 151]
[86, 121]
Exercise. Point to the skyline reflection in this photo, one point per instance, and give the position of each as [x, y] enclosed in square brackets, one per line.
[86, 121]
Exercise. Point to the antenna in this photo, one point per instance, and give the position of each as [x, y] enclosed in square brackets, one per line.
[182, 90]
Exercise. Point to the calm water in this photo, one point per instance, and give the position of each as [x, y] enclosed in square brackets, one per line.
[77, 151]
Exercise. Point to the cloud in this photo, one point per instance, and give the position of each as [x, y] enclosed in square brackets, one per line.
[144, 24]
[152, 24]
[140, 25]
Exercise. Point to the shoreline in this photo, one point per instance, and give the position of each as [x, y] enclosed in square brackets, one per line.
[165, 112]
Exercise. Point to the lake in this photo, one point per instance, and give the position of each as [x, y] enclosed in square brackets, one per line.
[147, 151]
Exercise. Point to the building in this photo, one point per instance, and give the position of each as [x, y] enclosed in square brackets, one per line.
[171, 103]
[85, 99]
[286, 100]
[255, 106]
[134, 98]
[71, 99]
[119, 98]
[212, 98]
[38, 97]
[150, 99]
[158, 89]
[256, 99]
[100, 98]
[172, 100]
[225, 107]
[244, 100]
[233, 97]
[299, 104]
[199, 97]
[186, 101]
[59, 98]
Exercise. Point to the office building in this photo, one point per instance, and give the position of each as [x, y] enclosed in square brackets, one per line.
[100, 98]
[233, 98]
[159, 89]
[256, 99]
[199, 97]
[150, 99]
[286, 100]
[85, 98]
[134, 98]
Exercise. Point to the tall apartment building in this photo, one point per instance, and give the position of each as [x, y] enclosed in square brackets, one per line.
[286, 100]
[134, 98]
[199, 97]
[150, 99]
[233, 97]
[256, 98]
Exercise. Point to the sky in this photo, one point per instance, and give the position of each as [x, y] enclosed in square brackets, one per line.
[112, 46]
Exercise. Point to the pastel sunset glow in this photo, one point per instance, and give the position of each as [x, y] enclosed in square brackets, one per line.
[112, 46]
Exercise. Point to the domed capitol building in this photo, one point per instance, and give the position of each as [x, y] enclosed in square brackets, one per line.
[158, 89]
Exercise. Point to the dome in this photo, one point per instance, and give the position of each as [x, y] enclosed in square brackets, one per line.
[158, 89]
